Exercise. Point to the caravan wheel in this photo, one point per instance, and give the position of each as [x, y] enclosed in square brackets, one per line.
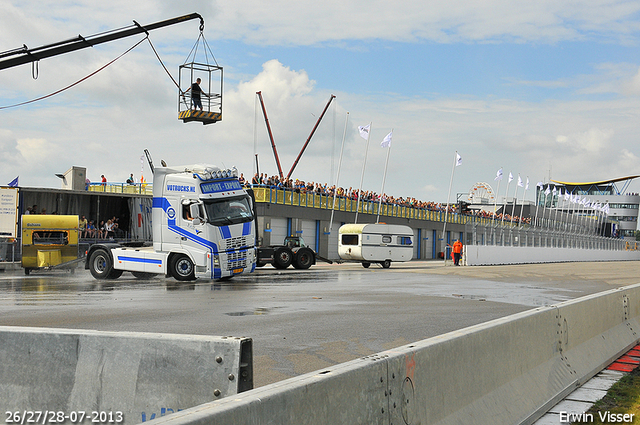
[386, 264]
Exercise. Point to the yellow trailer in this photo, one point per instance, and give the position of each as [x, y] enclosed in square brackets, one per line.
[48, 240]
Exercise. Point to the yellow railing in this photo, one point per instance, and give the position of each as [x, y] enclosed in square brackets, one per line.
[313, 200]
[138, 188]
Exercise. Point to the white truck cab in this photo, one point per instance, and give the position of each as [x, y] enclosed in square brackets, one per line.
[203, 226]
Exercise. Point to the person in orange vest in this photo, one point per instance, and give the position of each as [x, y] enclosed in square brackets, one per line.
[457, 252]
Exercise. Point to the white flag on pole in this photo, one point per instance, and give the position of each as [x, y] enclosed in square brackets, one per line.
[364, 131]
[498, 175]
[458, 159]
[510, 177]
[527, 185]
[547, 191]
[520, 182]
[386, 142]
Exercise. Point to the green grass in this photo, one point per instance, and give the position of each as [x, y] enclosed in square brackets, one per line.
[623, 397]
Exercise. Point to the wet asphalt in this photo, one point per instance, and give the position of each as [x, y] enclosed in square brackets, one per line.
[302, 321]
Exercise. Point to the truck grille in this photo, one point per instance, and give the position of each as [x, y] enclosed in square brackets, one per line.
[237, 260]
[235, 243]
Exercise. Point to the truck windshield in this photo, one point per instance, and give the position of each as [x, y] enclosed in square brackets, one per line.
[223, 212]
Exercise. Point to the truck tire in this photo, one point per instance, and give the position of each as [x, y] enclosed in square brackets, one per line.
[303, 259]
[282, 257]
[115, 273]
[181, 268]
[386, 264]
[100, 264]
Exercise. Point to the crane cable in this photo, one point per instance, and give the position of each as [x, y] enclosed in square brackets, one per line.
[77, 82]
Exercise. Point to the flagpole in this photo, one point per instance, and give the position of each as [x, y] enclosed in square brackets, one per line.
[506, 195]
[495, 200]
[364, 164]
[335, 192]
[515, 199]
[446, 211]
[384, 177]
[526, 187]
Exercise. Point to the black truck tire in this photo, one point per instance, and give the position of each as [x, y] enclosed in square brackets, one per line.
[282, 257]
[182, 268]
[303, 258]
[101, 264]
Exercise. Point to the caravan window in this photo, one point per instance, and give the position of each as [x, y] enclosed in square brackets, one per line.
[386, 239]
[404, 240]
[349, 239]
[50, 237]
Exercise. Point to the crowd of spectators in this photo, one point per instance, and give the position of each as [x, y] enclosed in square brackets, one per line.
[300, 186]
[105, 230]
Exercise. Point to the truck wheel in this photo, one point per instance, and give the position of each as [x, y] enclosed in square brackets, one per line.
[366, 264]
[303, 259]
[100, 264]
[181, 268]
[282, 258]
[386, 264]
[27, 270]
[115, 273]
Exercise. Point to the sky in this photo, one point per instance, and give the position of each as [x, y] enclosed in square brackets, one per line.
[548, 90]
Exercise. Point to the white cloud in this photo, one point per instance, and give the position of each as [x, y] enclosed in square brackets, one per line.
[106, 122]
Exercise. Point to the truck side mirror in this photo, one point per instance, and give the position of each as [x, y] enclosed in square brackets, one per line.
[195, 213]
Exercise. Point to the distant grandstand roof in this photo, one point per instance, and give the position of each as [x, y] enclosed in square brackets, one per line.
[620, 179]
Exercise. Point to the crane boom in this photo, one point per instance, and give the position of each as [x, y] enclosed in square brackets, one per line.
[25, 55]
[273, 143]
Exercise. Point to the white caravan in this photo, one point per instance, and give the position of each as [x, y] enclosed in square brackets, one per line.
[375, 243]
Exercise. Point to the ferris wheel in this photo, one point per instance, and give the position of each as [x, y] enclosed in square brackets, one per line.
[481, 193]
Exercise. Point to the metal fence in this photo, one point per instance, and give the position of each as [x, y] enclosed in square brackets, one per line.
[10, 251]
[530, 236]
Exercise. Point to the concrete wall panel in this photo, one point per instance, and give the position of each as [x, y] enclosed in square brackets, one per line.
[506, 371]
[138, 374]
[477, 255]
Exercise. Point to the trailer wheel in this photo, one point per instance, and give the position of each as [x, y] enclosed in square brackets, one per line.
[366, 264]
[282, 258]
[181, 268]
[303, 259]
[386, 264]
[100, 264]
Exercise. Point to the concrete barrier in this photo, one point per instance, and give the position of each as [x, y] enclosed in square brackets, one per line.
[481, 255]
[507, 371]
[141, 375]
